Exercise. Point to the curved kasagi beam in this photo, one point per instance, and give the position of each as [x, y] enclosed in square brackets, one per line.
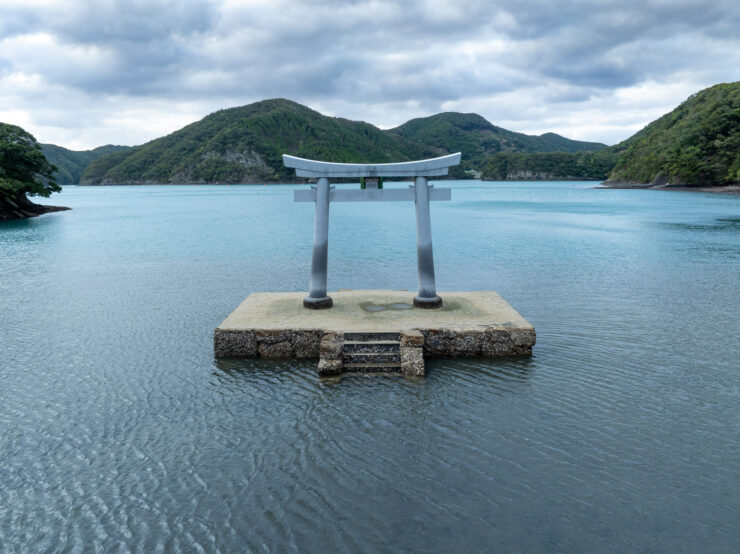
[419, 168]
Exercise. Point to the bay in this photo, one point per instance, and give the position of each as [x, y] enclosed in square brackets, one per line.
[120, 431]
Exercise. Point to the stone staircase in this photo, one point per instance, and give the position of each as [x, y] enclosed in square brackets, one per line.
[370, 352]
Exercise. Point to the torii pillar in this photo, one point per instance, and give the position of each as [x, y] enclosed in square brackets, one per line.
[421, 193]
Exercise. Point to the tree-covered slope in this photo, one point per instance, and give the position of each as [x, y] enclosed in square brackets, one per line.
[478, 139]
[549, 166]
[245, 145]
[71, 163]
[697, 144]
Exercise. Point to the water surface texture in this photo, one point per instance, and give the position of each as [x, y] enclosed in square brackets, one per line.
[119, 431]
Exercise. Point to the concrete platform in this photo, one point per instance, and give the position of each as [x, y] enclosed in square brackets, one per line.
[276, 325]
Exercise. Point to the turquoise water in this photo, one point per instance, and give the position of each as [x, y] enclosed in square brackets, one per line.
[118, 429]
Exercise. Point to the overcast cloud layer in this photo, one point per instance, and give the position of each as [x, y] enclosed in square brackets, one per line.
[83, 74]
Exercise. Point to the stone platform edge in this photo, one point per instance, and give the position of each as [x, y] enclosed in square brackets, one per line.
[438, 343]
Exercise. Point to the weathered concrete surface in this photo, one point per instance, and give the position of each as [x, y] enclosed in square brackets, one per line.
[412, 353]
[274, 324]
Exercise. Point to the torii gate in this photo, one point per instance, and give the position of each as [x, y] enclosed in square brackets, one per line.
[421, 193]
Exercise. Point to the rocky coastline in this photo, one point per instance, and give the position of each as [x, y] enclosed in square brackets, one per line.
[21, 208]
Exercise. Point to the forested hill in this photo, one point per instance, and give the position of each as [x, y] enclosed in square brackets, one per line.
[549, 166]
[479, 139]
[245, 145]
[71, 163]
[698, 143]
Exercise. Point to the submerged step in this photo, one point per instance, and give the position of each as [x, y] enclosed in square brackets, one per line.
[392, 367]
[371, 357]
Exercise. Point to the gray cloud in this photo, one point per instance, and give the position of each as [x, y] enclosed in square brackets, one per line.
[390, 59]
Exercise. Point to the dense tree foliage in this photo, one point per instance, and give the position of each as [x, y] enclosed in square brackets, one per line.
[478, 139]
[698, 143]
[24, 170]
[549, 165]
[246, 144]
[71, 163]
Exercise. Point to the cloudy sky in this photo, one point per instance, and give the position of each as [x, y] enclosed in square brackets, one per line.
[85, 73]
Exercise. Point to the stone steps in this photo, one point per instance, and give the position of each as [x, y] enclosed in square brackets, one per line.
[371, 346]
[365, 337]
[371, 353]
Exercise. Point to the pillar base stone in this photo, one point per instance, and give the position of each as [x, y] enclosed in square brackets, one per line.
[318, 303]
[427, 303]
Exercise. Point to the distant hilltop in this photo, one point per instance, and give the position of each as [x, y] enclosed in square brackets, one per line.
[71, 163]
[245, 145]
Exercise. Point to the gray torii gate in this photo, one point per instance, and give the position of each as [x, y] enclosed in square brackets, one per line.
[421, 193]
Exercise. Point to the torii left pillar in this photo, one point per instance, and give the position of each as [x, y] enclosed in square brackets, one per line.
[427, 297]
[317, 297]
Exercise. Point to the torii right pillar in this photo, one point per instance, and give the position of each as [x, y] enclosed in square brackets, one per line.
[427, 297]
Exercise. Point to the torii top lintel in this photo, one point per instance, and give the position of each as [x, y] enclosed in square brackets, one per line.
[419, 168]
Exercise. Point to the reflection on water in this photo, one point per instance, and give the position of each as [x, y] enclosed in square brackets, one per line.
[718, 225]
[119, 431]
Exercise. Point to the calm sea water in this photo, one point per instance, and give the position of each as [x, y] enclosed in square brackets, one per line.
[118, 429]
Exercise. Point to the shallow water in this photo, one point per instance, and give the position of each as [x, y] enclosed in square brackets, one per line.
[118, 429]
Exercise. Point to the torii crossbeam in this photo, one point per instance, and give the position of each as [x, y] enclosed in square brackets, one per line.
[421, 193]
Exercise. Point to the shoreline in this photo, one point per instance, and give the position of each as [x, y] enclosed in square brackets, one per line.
[727, 189]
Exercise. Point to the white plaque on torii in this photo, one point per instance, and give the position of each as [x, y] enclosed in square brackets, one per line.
[420, 192]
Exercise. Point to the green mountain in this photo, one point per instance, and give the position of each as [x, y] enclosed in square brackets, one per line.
[698, 143]
[478, 139]
[71, 163]
[245, 145]
[556, 143]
